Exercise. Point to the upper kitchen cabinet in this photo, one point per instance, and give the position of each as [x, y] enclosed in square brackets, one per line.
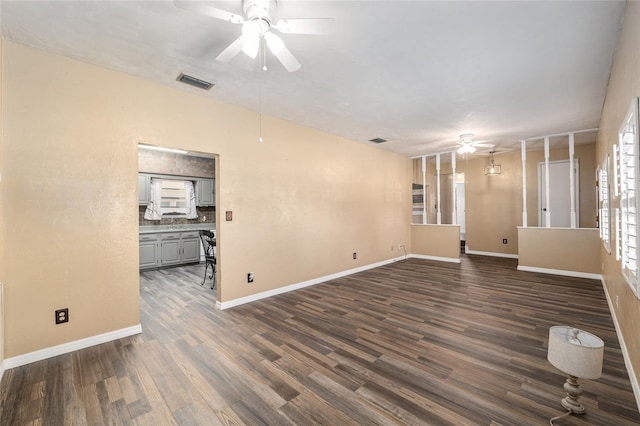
[205, 195]
[144, 188]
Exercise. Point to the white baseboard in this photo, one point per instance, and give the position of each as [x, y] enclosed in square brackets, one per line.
[438, 258]
[64, 348]
[292, 287]
[623, 347]
[288, 288]
[560, 272]
[490, 253]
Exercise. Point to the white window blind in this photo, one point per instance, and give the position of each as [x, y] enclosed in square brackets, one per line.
[173, 202]
[418, 203]
[616, 167]
[628, 139]
[605, 219]
[618, 237]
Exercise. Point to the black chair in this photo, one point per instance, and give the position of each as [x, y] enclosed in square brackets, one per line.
[209, 242]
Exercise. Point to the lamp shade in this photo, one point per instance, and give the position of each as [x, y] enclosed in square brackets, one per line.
[575, 352]
[492, 169]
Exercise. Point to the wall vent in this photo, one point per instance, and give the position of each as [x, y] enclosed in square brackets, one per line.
[377, 140]
[196, 82]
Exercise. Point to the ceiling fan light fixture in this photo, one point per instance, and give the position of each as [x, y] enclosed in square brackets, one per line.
[274, 43]
[466, 149]
[260, 21]
[259, 8]
[251, 47]
[466, 138]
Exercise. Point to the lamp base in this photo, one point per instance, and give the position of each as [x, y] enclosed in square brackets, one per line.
[570, 402]
[574, 406]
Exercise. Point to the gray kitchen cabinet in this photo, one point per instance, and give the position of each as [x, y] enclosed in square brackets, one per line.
[169, 249]
[144, 189]
[149, 251]
[205, 195]
[190, 246]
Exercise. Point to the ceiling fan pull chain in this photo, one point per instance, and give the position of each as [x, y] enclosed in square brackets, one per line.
[264, 54]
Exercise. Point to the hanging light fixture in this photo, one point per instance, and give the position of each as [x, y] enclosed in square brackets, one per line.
[466, 144]
[466, 148]
[492, 168]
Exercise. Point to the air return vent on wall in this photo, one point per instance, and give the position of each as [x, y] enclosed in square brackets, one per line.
[196, 82]
[377, 140]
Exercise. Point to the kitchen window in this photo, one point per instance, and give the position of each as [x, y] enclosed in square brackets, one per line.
[171, 198]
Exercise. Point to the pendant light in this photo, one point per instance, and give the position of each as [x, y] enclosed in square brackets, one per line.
[492, 168]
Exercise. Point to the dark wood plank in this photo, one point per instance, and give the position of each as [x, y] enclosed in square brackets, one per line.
[414, 342]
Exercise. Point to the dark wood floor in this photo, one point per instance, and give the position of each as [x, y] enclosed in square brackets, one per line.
[418, 342]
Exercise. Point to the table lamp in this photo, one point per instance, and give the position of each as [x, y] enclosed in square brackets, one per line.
[579, 355]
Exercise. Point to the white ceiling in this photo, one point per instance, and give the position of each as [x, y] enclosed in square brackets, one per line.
[417, 73]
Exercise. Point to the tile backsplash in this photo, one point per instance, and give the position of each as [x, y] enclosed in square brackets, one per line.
[166, 163]
[205, 215]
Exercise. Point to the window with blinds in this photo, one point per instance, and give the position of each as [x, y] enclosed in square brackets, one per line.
[418, 200]
[173, 202]
[628, 158]
[605, 211]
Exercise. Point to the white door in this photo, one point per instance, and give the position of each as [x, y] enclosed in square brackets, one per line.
[559, 203]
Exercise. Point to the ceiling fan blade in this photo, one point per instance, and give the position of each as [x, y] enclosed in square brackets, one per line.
[280, 51]
[483, 145]
[306, 26]
[232, 50]
[206, 8]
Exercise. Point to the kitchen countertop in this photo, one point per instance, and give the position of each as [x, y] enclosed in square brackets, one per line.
[154, 229]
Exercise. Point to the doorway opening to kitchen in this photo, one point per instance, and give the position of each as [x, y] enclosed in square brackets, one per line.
[177, 216]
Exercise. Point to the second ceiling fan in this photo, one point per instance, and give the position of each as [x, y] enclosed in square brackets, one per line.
[257, 26]
[468, 146]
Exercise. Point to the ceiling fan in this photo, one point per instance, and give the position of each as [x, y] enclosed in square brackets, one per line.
[468, 146]
[258, 25]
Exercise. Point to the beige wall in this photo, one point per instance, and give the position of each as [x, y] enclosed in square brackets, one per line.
[1, 227]
[301, 205]
[576, 250]
[69, 219]
[436, 240]
[624, 84]
[494, 203]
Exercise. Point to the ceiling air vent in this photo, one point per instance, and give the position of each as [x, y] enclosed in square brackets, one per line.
[377, 140]
[196, 82]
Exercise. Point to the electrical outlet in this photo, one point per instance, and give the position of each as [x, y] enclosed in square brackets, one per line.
[355, 255]
[62, 315]
[250, 277]
[504, 241]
